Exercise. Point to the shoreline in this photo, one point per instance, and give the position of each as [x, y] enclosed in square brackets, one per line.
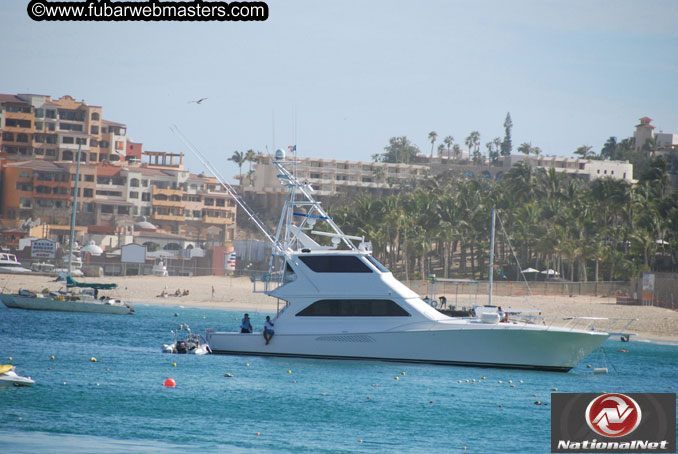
[653, 324]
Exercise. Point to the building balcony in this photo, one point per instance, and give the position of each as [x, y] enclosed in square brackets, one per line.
[167, 203]
[51, 183]
[168, 217]
[216, 220]
[167, 191]
[18, 129]
[42, 195]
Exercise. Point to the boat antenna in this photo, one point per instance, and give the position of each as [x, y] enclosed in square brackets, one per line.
[75, 208]
[520, 268]
[229, 189]
[491, 272]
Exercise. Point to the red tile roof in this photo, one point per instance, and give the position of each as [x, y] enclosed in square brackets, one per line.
[108, 170]
[108, 122]
[36, 164]
[100, 229]
[11, 98]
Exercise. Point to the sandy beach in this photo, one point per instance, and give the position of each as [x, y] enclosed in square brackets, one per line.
[235, 294]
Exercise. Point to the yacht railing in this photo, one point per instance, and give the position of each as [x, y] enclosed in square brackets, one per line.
[609, 325]
[267, 282]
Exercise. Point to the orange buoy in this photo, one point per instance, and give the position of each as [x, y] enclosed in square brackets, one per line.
[170, 383]
[623, 351]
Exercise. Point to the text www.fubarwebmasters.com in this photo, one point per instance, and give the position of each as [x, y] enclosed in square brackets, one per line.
[152, 10]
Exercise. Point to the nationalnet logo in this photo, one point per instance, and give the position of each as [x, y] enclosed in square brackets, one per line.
[613, 422]
[613, 415]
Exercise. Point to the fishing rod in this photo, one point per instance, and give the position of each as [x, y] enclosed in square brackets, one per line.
[229, 189]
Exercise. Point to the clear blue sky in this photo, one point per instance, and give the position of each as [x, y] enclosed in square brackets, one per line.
[570, 73]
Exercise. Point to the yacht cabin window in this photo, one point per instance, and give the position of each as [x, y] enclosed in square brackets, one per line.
[377, 264]
[335, 264]
[353, 308]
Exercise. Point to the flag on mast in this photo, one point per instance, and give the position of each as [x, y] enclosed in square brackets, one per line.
[292, 148]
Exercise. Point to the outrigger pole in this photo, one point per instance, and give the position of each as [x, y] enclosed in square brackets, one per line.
[230, 190]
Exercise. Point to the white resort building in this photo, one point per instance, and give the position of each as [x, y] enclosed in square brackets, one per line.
[329, 177]
[588, 168]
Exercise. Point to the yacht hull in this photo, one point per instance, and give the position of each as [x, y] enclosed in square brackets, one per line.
[541, 349]
[51, 304]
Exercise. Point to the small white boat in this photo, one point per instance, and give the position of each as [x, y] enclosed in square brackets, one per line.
[10, 264]
[40, 267]
[187, 342]
[8, 377]
[85, 300]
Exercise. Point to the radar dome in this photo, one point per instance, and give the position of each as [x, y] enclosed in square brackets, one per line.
[279, 154]
[144, 224]
[93, 249]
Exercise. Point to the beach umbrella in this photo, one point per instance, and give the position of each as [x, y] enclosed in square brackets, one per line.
[529, 270]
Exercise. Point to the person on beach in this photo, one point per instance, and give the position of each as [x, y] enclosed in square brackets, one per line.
[212, 292]
[268, 329]
[246, 324]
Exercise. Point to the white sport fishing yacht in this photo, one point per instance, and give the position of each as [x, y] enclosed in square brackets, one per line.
[341, 303]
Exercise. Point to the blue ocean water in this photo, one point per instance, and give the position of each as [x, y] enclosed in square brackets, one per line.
[119, 403]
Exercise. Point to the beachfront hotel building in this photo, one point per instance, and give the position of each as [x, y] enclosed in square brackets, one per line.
[329, 177]
[37, 127]
[39, 142]
[116, 196]
[589, 169]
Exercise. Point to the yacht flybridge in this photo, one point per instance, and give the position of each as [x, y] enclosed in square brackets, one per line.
[341, 303]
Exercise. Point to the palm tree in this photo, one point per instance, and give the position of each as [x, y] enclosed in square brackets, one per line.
[379, 173]
[239, 158]
[585, 151]
[432, 137]
[250, 157]
[448, 141]
[456, 149]
[526, 148]
[473, 144]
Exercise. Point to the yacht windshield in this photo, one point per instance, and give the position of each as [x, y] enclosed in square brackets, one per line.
[376, 263]
[335, 264]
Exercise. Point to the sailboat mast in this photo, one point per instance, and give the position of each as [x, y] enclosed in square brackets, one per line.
[75, 208]
[494, 212]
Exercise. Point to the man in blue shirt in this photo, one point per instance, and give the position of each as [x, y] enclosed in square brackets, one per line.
[246, 324]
